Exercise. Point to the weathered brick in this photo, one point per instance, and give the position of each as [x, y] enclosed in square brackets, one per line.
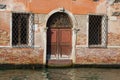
[98, 56]
[21, 56]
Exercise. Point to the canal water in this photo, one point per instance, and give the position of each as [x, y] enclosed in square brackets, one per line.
[61, 74]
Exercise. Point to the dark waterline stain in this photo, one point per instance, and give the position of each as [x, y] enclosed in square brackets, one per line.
[61, 74]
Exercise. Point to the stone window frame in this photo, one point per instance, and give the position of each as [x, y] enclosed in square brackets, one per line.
[103, 32]
[30, 34]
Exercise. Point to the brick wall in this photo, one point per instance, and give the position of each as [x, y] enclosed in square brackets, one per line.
[98, 56]
[21, 56]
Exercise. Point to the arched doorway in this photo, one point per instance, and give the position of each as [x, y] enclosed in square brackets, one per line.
[59, 36]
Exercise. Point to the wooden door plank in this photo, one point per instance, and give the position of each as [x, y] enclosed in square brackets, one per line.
[52, 41]
[65, 42]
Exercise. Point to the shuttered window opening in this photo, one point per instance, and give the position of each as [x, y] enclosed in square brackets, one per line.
[116, 1]
[97, 31]
[2, 6]
[22, 35]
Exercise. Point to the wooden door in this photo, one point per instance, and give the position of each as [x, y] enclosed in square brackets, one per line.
[59, 43]
[59, 36]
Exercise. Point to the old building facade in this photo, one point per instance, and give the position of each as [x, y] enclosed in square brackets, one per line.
[36, 31]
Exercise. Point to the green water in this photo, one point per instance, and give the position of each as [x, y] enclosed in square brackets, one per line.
[61, 74]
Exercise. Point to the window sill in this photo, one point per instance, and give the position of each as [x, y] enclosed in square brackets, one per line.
[97, 46]
[22, 46]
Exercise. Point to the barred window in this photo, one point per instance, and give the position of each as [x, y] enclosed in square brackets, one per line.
[21, 30]
[97, 31]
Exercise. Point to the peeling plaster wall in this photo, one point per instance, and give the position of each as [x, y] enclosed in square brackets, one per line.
[80, 10]
[39, 29]
[45, 6]
[74, 6]
[14, 5]
[82, 26]
[113, 25]
[4, 29]
[17, 55]
[114, 33]
[102, 7]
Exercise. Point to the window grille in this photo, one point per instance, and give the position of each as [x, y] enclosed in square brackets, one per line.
[97, 31]
[22, 30]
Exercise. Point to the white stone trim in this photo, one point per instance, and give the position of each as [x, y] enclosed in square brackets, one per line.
[45, 47]
[31, 32]
[113, 46]
[5, 46]
[10, 29]
[87, 33]
[81, 46]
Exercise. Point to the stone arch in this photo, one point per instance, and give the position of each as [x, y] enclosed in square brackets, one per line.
[74, 26]
[64, 11]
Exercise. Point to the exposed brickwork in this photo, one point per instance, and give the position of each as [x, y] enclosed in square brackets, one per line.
[113, 39]
[4, 38]
[98, 56]
[81, 39]
[102, 7]
[4, 28]
[21, 56]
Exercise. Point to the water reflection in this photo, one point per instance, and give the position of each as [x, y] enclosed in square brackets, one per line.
[61, 74]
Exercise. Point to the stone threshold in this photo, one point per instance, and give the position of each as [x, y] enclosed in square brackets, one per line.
[59, 63]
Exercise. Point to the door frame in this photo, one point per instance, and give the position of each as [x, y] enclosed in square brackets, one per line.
[74, 34]
[58, 32]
